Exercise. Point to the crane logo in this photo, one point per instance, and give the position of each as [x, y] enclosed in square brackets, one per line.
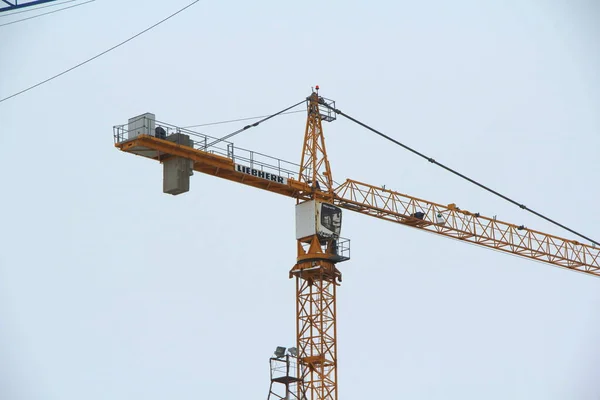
[260, 174]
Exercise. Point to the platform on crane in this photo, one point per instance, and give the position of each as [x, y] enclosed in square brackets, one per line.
[326, 107]
[198, 141]
[285, 376]
[160, 141]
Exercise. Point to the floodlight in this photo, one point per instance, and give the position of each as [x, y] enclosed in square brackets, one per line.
[292, 351]
[279, 352]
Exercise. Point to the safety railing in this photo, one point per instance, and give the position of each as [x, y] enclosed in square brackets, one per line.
[342, 249]
[200, 141]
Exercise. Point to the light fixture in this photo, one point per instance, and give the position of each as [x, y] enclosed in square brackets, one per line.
[279, 352]
[292, 351]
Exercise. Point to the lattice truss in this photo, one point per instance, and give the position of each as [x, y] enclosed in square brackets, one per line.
[316, 335]
[314, 166]
[460, 224]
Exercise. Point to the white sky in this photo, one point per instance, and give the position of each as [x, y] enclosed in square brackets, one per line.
[110, 289]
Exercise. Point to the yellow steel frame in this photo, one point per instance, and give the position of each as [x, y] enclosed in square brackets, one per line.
[316, 275]
[211, 164]
[468, 226]
[314, 166]
[316, 282]
[396, 207]
[315, 271]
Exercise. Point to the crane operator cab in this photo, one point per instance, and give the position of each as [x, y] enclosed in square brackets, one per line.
[324, 220]
[317, 218]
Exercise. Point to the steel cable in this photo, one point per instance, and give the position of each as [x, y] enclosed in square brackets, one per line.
[100, 54]
[431, 160]
[253, 125]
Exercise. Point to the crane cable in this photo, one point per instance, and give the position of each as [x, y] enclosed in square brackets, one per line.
[431, 160]
[100, 54]
[236, 120]
[253, 125]
[9, 13]
[46, 13]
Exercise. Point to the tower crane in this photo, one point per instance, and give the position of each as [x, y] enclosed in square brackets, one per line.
[319, 204]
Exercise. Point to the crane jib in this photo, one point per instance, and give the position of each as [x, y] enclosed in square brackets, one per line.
[260, 174]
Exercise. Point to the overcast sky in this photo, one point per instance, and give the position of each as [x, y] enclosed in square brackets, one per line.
[110, 289]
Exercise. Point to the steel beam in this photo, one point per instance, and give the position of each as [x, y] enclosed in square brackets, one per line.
[14, 4]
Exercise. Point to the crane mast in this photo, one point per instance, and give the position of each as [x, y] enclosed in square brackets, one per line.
[316, 274]
[318, 200]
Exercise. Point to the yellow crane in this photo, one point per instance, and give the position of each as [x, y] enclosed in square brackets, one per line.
[319, 201]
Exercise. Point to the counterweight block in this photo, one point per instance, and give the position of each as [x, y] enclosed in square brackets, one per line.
[177, 170]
